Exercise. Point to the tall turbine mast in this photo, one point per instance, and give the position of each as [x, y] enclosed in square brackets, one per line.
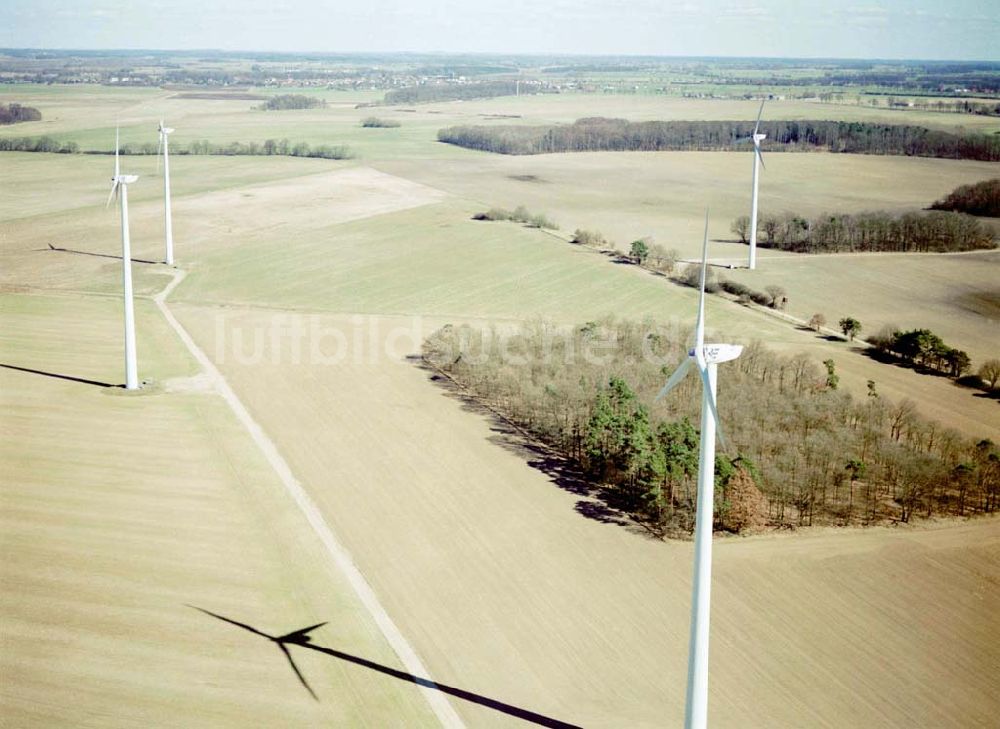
[119, 190]
[706, 358]
[756, 138]
[167, 222]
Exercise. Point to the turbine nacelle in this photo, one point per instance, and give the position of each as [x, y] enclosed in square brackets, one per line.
[758, 138]
[716, 353]
[163, 131]
[116, 182]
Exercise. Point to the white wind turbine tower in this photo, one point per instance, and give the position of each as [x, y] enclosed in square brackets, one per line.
[705, 357]
[756, 138]
[119, 189]
[167, 222]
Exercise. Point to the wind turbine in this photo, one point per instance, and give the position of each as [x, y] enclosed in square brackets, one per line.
[167, 222]
[758, 158]
[119, 189]
[705, 358]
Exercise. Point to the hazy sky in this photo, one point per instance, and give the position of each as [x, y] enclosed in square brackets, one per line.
[946, 29]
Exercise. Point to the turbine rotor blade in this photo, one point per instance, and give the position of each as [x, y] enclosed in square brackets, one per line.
[699, 329]
[117, 169]
[159, 149]
[679, 374]
[760, 157]
[756, 127]
[298, 673]
[710, 399]
[114, 189]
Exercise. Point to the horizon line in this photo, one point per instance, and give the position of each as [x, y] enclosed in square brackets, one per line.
[525, 54]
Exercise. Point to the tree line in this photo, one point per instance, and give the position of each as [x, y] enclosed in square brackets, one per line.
[961, 106]
[982, 198]
[14, 113]
[520, 214]
[37, 144]
[426, 93]
[267, 148]
[802, 451]
[602, 134]
[936, 231]
[283, 102]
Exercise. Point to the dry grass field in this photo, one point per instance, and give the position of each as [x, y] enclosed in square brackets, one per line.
[118, 510]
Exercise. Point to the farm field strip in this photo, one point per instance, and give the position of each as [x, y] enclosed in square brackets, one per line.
[119, 511]
[89, 240]
[83, 181]
[336, 551]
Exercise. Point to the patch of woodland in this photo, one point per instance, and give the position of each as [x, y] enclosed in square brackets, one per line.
[801, 451]
[601, 134]
[15, 113]
[981, 198]
[374, 122]
[285, 102]
[925, 352]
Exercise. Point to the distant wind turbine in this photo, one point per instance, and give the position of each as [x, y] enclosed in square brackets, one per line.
[119, 189]
[758, 158]
[705, 358]
[167, 222]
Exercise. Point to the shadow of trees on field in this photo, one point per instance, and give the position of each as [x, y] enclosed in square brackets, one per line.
[56, 375]
[302, 639]
[595, 502]
[821, 335]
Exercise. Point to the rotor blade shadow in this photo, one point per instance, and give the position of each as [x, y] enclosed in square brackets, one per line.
[58, 376]
[300, 638]
[280, 642]
[98, 255]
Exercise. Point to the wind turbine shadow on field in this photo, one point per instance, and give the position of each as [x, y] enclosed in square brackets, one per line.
[98, 255]
[57, 376]
[302, 639]
[595, 503]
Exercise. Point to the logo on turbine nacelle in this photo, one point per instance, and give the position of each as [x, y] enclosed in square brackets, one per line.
[715, 353]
